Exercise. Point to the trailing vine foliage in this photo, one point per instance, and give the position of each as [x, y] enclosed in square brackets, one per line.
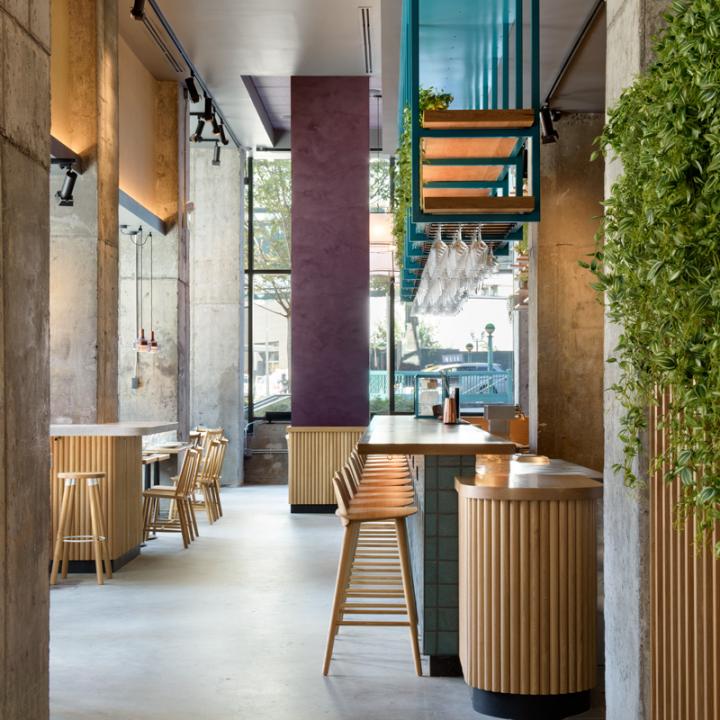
[430, 99]
[658, 259]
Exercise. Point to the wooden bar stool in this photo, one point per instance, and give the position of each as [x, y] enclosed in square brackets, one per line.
[98, 536]
[374, 577]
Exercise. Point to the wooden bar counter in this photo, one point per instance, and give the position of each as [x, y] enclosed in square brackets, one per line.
[116, 450]
[528, 592]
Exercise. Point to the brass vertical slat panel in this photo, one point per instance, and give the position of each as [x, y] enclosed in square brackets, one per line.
[314, 455]
[685, 594]
[120, 458]
[527, 570]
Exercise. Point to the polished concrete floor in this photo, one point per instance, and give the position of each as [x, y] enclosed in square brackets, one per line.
[233, 629]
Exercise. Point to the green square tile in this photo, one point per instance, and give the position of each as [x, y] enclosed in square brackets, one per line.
[431, 502]
[447, 548]
[447, 525]
[431, 572]
[447, 501]
[431, 551]
[431, 597]
[430, 621]
[447, 596]
[447, 619]
[447, 572]
[449, 460]
[446, 643]
[446, 478]
[430, 527]
[431, 479]
[431, 461]
[430, 642]
[468, 462]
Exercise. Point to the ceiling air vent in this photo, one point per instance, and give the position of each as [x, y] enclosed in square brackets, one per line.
[367, 39]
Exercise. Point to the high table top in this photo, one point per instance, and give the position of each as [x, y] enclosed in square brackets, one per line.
[408, 435]
[528, 486]
[118, 429]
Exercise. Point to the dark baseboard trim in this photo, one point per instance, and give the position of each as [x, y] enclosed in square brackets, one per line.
[88, 566]
[301, 508]
[530, 707]
[445, 666]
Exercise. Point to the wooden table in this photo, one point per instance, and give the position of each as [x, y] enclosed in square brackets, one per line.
[407, 435]
[528, 591]
[116, 450]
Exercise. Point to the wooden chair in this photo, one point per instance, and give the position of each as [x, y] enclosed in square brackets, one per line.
[207, 483]
[181, 495]
[98, 537]
[374, 578]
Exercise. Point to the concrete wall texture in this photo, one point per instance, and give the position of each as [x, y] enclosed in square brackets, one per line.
[565, 317]
[216, 299]
[630, 27]
[24, 357]
[330, 259]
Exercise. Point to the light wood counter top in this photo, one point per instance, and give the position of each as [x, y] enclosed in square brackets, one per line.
[408, 435]
[117, 429]
[529, 486]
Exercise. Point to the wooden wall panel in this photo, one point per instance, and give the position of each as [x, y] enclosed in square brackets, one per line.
[685, 590]
[120, 492]
[527, 595]
[314, 454]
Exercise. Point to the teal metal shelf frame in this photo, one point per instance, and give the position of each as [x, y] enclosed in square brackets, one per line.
[498, 73]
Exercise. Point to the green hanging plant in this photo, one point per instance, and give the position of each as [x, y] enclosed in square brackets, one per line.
[658, 258]
[430, 99]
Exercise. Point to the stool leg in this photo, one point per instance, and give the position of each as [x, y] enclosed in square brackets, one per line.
[59, 543]
[65, 565]
[92, 501]
[105, 544]
[344, 567]
[409, 591]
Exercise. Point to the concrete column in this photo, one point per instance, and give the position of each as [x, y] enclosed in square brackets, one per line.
[330, 258]
[521, 359]
[216, 299]
[631, 24]
[565, 318]
[24, 349]
[84, 238]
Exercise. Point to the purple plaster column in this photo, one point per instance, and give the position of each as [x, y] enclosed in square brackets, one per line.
[330, 250]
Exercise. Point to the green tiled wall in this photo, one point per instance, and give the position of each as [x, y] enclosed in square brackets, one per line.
[439, 557]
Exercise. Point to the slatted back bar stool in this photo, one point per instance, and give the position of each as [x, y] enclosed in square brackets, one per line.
[98, 536]
[374, 578]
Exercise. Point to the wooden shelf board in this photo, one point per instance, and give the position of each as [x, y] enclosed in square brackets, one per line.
[455, 192]
[460, 173]
[478, 119]
[438, 148]
[457, 204]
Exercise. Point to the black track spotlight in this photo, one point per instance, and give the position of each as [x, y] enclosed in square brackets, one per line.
[208, 112]
[197, 135]
[192, 89]
[547, 125]
[223, 137]
[215, 125]
[138, 9]
[65, 193]
[216, 154]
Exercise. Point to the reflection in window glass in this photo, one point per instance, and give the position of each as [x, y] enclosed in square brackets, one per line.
[271, 343]
[272, 199]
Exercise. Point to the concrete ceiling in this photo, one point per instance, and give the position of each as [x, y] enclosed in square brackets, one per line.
[272, 40]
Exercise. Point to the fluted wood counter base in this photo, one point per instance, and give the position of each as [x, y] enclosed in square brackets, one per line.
[528, 592]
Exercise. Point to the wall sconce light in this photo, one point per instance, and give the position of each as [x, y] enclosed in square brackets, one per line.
[65, 193]
[548, 132]
[138, 10]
